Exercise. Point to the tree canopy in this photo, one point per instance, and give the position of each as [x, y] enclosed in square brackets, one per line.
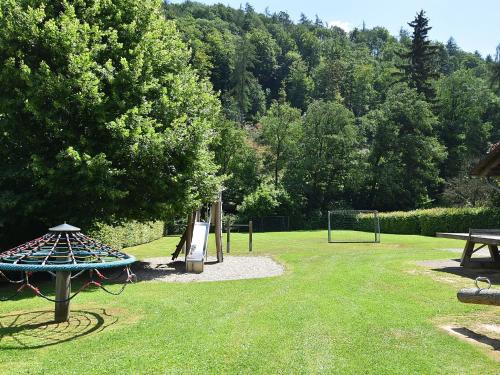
[102, 117]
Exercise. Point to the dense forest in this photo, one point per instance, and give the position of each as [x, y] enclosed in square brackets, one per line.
[141, 110]
[318, 118]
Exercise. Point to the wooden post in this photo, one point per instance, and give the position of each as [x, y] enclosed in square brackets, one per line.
[189, 231]
[218, 229]
[250, 235]
[228, 239]
[63, 291]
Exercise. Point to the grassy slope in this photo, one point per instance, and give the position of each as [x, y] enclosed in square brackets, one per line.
[339, 308]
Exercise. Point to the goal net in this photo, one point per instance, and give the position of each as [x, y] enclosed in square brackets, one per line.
[353, 226]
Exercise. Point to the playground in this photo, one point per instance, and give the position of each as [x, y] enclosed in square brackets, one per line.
[335, 308]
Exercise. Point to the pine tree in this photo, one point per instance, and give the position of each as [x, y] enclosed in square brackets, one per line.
[241, 76]
[417, 69]
[452, 47]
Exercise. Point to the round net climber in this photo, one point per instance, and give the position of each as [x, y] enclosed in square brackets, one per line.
[66, 253]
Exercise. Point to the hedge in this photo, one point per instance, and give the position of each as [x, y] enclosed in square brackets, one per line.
[128, 234]
[429, 221]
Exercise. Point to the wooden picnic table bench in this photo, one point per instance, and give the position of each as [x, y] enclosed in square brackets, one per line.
[482, 237]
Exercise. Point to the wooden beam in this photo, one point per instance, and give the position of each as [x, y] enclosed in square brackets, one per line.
[180, 246]
[250, 235]
[189, 231]
[218, 229]
[63, 292]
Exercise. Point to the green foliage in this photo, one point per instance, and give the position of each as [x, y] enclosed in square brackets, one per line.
[465, 102]
[280, 131]
[127, 234]
[237, 161]
[325, 167]
[298, 84]
[101, 115]
[405, 154]
[429, 221]
[264, 201]
[417, 68]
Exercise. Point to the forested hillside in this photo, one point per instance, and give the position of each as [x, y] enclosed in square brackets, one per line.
[317, 118]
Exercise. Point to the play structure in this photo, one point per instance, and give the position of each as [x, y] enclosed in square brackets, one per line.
[353, 226]
[65, 253]
[195, 237]
[238, 227]
[477, 295]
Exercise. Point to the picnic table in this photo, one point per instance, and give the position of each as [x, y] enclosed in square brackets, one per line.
[482, 238]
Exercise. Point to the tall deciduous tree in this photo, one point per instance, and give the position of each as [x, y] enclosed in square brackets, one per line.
[404, 153]
[101, 116]
[280, 129]
[323, 171]
[418, 68]
[463, 101]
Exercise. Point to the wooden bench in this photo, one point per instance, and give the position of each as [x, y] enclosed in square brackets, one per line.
[483, 238]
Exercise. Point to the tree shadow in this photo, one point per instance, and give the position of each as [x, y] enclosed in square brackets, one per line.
[147, 271]
[37, 329]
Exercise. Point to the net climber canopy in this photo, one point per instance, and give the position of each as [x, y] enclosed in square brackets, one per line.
[63, 250]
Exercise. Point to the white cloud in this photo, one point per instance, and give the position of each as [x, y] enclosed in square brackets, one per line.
[344, 25]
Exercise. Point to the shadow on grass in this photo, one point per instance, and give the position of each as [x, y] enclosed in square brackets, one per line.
[470, 273]
[37, 329]
[476, 337]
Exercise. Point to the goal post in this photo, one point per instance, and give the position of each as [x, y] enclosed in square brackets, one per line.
[353, 226]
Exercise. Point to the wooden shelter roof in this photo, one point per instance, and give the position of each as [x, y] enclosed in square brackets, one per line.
[489, 166]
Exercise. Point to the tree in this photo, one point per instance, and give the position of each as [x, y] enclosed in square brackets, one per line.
[241, 78]
[404, 151]
[265, 59]
[495, 71]
[417, 65]
[466, 191]
[463, 102]
[101, 116]
[238, 162]
[298, 84]
[266, 200]
[280, 128]
[325, 169]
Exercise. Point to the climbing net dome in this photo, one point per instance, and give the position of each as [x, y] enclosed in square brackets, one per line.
[66, 253]
[64, 248]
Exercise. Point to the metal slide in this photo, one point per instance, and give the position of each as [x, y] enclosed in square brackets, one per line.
[196, 255]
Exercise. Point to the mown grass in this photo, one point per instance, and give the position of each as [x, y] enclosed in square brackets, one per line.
[339, 308]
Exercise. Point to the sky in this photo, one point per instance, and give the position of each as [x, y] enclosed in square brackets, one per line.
[475, 25]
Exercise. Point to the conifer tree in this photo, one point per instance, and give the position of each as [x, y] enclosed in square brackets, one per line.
[417, 69]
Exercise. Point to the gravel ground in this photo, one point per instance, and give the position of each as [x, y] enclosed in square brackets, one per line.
[233, 268]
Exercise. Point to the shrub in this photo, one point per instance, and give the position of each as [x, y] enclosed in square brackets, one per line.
[128, 234]
[429, 221]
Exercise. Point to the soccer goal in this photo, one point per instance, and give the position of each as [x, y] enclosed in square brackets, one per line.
[353, 226]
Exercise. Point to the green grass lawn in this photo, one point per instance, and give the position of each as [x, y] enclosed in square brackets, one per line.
[339, 308]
